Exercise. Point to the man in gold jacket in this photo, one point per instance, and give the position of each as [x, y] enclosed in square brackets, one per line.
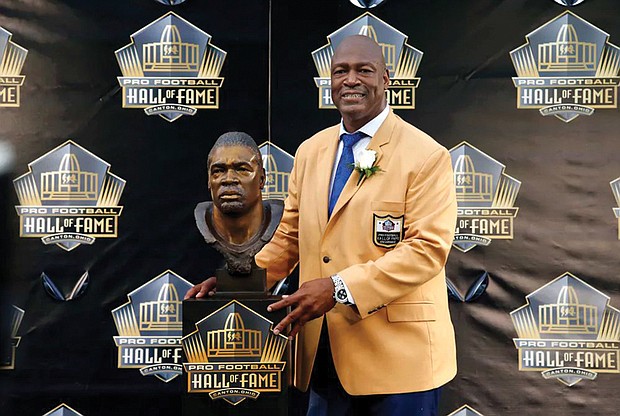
[372, 302]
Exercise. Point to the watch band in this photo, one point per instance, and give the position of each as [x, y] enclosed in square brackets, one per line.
[340, 292]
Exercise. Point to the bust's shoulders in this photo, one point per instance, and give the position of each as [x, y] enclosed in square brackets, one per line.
[200, 215]
[276, 209]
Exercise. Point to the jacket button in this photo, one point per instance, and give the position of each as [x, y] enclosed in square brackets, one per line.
[326, 259]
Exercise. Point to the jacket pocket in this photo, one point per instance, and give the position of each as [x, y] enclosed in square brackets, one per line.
[411, 312]
[394, 207]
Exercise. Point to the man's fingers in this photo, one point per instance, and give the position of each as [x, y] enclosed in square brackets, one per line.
[283, 303]
[201, 289]
[205, 290]
[191, 292]
[282, 324]
[295, 330]
[289, 319]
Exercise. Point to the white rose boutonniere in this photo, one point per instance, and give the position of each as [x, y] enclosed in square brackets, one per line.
[365, 164]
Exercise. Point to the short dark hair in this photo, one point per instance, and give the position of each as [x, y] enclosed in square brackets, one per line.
[236, 138]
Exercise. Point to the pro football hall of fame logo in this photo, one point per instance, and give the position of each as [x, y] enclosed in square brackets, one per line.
[170, 69]
[62, 410]
[150, 327]
[12, 57]
[567, 69]
[9, 346]
[568, 331]
[485, 196]
[69, 198]
[401, 59]
[234, 355]
[278, 165]
[615, 188]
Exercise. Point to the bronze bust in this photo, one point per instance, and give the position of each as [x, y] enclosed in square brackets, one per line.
[238, 223]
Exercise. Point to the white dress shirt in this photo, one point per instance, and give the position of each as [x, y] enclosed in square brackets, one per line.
[369, 129]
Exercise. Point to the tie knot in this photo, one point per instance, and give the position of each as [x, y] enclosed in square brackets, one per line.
[350, 139]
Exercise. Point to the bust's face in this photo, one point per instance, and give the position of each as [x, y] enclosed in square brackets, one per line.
[235, 179]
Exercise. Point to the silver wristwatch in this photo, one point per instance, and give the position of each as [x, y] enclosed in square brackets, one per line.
[340, 293]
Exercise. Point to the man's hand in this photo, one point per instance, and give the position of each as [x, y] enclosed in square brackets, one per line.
[313, 299]
[202, 289]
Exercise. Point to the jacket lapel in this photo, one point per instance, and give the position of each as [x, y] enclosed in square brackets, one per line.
[324, 166]
[380, 139]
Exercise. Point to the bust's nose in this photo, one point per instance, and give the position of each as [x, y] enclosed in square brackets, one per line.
[230, 177]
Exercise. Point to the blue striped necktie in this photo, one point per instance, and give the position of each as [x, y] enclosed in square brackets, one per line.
[344, 169]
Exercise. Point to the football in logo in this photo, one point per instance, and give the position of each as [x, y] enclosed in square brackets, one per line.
[567, 331]
[234, 355]
[367, 4]
[170, 69]
[568, 3]
[567, 68]
[69, 197]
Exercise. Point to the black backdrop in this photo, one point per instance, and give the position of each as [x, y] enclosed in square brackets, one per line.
[564, 224]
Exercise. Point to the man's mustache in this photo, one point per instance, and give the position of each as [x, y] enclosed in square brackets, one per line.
[231, 190]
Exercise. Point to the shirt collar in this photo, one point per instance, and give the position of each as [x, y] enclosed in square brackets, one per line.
[370, 128]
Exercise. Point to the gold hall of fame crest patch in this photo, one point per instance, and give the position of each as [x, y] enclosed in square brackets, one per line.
[567, 68]
[150, 327]
[485, 197]
[402, 60]
[234, 355]
[170, 69]
[387, 231]
[615, 188]
[62, 410]
[568, 331]
[68, 198]
[12, 58]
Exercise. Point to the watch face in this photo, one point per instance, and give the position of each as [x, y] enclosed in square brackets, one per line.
[341, 295]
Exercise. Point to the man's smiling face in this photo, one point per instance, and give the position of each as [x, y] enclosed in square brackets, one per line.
[359, 80]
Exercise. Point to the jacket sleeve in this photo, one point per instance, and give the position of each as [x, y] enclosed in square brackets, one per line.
[429, 223]
[281, 254]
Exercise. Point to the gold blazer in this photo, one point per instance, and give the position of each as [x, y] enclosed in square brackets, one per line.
[388, 238]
